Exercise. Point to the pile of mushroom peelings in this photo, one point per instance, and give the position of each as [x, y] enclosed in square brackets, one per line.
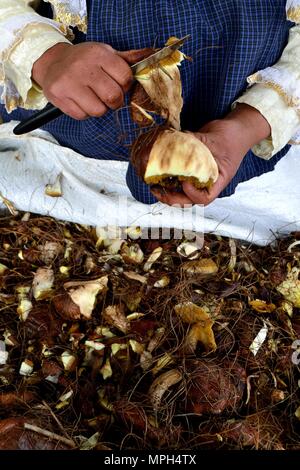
[131, 343]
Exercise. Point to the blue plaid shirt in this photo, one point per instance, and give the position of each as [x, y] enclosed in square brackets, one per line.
[230, 40]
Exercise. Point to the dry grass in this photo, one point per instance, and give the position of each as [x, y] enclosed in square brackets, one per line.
[225, 399]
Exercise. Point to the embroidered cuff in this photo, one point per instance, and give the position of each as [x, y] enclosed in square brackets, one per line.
[293, 10]
[18, 23]
[70, 12]
[284, 76]
[284, 120]
[18, 67]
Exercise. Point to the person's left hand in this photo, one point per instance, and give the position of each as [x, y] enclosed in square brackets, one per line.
[229, 140]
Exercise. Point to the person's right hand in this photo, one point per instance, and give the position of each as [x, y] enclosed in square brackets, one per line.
[87, 79]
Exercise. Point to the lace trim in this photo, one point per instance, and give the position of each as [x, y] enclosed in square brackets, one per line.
[293, 10]
[293, 14]
[70, 12]
[266, 79]
[12, 32]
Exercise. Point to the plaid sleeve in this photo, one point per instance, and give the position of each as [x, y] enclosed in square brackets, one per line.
[139, 190]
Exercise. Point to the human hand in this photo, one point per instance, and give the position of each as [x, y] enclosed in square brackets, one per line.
[86, 79]
[229, 140]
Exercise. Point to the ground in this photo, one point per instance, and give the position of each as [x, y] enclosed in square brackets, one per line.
[146, 344]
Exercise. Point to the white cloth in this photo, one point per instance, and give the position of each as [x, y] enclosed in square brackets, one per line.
[261, 208]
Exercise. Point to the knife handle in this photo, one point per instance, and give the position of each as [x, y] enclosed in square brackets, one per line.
[38, 119]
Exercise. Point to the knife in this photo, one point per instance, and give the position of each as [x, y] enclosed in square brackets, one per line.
[50, 112]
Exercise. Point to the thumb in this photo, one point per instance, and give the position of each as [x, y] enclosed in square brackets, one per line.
[135, 55]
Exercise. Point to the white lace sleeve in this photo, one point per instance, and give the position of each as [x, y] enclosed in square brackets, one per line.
[275, 92]
[70, 12]
[25, 36]
[293, 10]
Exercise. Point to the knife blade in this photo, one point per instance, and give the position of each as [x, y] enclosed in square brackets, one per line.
[159, 55]
[51, 112]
